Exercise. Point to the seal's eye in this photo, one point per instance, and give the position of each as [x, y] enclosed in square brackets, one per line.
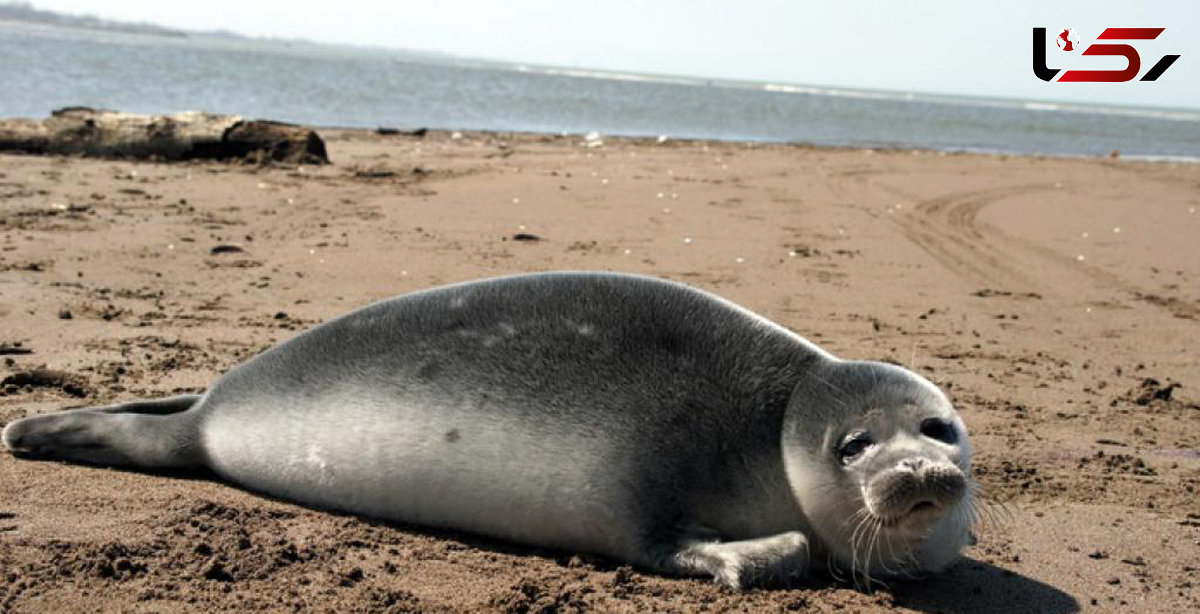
[853, 446]
[941, 430]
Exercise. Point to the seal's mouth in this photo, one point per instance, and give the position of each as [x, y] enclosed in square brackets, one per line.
[922, 512]
[919, 513]
[922, 507]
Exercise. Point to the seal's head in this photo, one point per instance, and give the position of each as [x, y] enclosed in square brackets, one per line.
[879, 463]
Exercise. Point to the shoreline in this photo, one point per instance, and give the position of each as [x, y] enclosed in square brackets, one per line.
[650, 139]
[644, 140]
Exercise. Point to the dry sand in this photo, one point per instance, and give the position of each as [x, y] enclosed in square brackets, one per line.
[1057, 301]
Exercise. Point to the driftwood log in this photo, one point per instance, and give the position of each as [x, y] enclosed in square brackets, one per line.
[182, 136]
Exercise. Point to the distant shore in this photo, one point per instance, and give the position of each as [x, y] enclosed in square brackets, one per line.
[19, 12]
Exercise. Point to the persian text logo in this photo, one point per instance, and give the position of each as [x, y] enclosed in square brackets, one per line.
[1068, 40]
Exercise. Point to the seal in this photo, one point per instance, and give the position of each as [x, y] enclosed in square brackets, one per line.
[619, 415]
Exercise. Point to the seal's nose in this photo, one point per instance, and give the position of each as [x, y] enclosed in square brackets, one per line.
[911, 464]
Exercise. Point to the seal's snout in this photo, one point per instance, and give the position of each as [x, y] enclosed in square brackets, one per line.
[947, 483]
[915, 490]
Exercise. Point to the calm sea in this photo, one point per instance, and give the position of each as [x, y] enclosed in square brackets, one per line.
[43, 68]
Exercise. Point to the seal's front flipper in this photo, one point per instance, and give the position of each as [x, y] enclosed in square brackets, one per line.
[159, 434]
[773, 560]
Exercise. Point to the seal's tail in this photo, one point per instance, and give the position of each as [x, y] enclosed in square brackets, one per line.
[157, 434]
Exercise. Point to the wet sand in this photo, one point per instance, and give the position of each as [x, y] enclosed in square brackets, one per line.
[1056, 300]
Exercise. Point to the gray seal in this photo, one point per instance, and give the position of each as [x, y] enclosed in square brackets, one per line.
[619, 415]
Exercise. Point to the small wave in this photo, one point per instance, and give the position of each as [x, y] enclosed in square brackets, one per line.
[843, 93]
[1183, 116]
[1041, 106]
[1181, 159]
[605, 75]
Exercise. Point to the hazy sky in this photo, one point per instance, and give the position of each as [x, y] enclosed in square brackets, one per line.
[980, 48]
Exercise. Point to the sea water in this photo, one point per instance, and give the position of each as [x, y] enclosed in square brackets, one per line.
[47, 67]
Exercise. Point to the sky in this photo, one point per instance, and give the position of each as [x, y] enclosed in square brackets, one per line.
[968, 48]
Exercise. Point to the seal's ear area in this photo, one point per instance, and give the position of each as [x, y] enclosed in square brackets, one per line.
[147, 434]
[840, 387]
[972, 540]
[822, 390]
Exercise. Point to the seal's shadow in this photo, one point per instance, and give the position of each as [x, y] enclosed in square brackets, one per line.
[981, 588]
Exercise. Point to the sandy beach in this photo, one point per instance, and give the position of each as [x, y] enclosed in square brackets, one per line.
[1057, 301]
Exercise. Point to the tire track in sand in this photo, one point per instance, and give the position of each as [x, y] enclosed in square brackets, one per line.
[946, 228]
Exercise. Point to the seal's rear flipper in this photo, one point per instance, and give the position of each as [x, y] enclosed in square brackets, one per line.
[158, 434]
